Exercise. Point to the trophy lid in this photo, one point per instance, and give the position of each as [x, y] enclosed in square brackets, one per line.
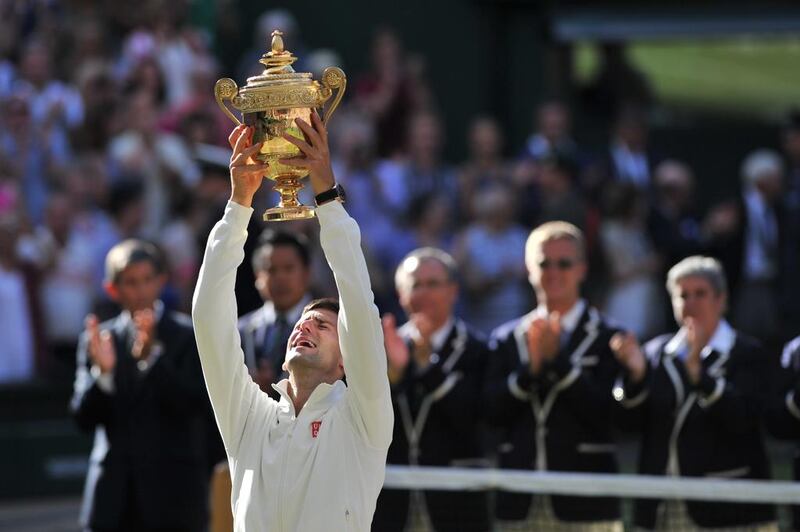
[278, 63]
[279, 86]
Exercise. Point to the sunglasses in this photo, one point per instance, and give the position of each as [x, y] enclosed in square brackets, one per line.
[561, 264]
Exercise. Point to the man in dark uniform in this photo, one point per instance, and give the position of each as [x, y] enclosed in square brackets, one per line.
[436, 366]
[549, 389]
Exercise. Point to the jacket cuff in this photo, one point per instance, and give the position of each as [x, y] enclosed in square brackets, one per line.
[331, 213]
[791, 403]
[104, 381]
[520, 383]
[630, 394]
[709, 390]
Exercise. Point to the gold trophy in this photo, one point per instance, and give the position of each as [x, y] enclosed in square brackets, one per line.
[270, 103]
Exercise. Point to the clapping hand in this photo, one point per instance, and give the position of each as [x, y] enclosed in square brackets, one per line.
[101, 346]
[696, 339]
[397, 352]
[144, 322]
[544, 338]
[629, 354]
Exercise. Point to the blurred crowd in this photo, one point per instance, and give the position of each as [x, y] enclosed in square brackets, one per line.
[109, 130]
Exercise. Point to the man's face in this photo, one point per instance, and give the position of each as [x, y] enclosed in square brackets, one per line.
[695, 298]
[428, 290]
[314, 344]
[137, 287]
[283, 278]
[556, 271]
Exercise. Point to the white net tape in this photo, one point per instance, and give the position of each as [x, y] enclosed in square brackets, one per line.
[593, 485]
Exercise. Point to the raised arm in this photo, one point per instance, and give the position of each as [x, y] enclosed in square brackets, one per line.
[360, 332]
[234, 396]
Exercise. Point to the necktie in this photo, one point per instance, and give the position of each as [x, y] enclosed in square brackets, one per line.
[275, 342]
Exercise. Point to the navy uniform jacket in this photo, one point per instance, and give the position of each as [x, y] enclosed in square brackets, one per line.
[783, 416]
[709, 430]
[559, 421]
[437, 423]
[149, 460]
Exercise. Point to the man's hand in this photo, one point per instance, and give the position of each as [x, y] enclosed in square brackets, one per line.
[544, 338]
[144, 321]
[696, 339]
[246, 174]
[101, 346]
[629, 354]
[316, 155]
[397, 354]
[422, 340]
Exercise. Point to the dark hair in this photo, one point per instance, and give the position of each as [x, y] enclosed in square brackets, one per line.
[271, 238]
[124, 192]
[325, 303]
[561, 163]
[130, 252]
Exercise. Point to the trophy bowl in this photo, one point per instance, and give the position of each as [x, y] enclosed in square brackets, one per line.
[270, 103]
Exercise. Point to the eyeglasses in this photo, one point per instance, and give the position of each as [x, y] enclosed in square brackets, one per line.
[561, 264]
[431, 284]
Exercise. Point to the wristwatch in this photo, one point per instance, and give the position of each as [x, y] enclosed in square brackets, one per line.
[336, 193]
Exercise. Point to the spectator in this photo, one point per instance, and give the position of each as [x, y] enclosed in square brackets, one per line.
[162, 159]
[634, 297]
[629, 157]
[558, 195]
[673, 223]
[783, 416]
[422, 173]
[750, 245]
[552, 136]
[484, 166]
[548, 387]
[52, 101]
[281, 263]
[66, 289]
[18, 348]
[385, 93]
[34, 151]
[696, 399]
[491, 252]
[436, 365]
[140, 389]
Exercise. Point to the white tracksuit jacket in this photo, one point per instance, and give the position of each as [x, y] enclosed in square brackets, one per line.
[321, 470]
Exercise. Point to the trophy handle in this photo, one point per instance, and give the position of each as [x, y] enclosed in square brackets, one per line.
[333, 78]
[226, 89]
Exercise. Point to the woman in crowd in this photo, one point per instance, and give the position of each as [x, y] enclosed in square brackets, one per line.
[695, 397]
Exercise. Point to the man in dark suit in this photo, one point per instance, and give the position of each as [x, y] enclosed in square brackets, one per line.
[436, 366]
[783, 415]
[549, 388]
[140, 388]
[697, 399]
[281, 263]
[749, 237]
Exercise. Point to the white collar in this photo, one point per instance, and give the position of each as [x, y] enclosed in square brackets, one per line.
[323, 395]
[569, 321]
[439, 336]
[721, 341]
